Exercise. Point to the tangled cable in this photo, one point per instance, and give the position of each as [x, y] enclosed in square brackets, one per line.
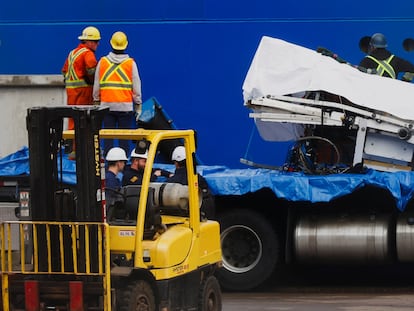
[303, 157]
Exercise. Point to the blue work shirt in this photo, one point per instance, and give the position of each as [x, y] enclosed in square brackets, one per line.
[111, 183]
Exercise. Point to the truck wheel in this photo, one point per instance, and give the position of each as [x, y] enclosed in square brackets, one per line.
[250, 250]
[138, 295]
[210, 295]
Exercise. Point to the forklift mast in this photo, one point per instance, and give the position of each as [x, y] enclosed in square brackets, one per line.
[50, 201]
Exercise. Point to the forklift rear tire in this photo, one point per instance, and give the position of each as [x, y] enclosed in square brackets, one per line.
[210, 295]
[138, 295]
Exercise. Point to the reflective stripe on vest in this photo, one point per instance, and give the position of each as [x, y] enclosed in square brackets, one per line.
[115, 81]
[384, 66]
[72, 79]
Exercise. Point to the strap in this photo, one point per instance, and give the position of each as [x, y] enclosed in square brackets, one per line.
[72, 79]
[115, 68]
[71, 74]
[384, 66]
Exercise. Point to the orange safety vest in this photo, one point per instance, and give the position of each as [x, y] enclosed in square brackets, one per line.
[115, 81]
[74, 77]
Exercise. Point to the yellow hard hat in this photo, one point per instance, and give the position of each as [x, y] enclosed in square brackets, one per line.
[90, 34]
[119, 41]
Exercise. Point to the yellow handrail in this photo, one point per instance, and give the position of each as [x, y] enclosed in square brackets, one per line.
[56, 242]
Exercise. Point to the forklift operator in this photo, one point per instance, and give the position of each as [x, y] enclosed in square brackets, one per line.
[116, 159]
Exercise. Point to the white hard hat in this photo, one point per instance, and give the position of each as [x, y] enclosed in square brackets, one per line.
[116, 154]
[178, 154]
[139, 155]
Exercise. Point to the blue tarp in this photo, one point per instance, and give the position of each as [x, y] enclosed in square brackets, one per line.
[311, 188]
[18, 164]
[287, 185]
[15, 164]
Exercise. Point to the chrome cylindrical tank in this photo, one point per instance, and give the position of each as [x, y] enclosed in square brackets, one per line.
[343, 239]
[405, 237]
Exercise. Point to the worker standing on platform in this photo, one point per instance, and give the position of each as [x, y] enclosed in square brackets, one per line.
[118, 85]
[79, 69]
[384, 62]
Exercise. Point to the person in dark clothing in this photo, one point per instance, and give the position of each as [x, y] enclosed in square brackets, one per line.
[180, 176]
[180, 173]
[133, 174]
[384, 62]
[116, 159]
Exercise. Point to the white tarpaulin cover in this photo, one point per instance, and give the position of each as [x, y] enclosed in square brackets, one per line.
[283, 68]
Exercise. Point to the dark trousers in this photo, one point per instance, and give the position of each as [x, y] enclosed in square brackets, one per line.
[118, 120]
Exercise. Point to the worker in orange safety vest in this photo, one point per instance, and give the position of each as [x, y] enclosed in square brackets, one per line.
[118, 86]
[79, 69]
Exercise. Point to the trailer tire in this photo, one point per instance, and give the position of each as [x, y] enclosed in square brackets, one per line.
[250, 250]
[210, 295]
[138, 295]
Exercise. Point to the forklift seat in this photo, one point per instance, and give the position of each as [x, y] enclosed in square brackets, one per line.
[152, 215]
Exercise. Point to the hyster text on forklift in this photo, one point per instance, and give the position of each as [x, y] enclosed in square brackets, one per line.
[149, 250]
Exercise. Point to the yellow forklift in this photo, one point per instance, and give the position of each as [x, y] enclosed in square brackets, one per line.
[150, 249]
